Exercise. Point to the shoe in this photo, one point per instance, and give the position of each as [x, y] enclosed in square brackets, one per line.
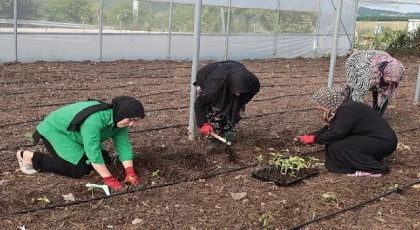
[25, 166]
[364, 174]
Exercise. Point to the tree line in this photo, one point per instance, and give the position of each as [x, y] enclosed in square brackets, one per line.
[386, 17]
[154, 16]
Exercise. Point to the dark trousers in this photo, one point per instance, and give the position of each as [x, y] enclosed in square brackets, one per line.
[53, 163]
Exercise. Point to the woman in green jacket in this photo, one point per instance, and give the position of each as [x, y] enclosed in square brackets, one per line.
[73, 136]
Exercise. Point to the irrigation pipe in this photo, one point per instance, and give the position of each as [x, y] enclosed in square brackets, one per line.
[66, 103]
[142, 189]
[182, 125]
[127, 192]
[399, 189]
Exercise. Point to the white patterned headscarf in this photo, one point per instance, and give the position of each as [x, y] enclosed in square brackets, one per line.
[330, 98]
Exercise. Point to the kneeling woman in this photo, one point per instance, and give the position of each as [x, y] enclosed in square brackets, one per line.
[73, 136]
[357, 138]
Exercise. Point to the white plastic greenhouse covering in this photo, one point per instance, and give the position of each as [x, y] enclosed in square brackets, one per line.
[57, 46]
[31, 46]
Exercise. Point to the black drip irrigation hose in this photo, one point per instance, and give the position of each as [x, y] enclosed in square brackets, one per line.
[409, 129]
[127, 192]
[19, 123]
[158, 128]
[289, 95]
[66, 103]
[399, 189]
[146, 95]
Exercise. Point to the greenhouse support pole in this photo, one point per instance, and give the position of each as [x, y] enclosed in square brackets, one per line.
[227, 32]
[15, 27]
[318, 22]
[196, 59]
[222, 16]
[101, 7]
[335, 43]
[171, 4]
[416, 97]
[276, 30]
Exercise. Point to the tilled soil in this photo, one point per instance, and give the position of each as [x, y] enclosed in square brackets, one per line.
[195, 185]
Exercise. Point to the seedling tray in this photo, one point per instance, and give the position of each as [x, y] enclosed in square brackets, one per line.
[274, 175]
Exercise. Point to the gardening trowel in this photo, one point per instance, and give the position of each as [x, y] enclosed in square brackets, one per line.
[103, 187]
[227, 141]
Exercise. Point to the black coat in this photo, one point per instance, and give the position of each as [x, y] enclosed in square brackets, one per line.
[358, 139]
[217, 81]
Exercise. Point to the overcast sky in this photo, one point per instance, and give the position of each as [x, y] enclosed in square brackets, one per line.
[402, 9]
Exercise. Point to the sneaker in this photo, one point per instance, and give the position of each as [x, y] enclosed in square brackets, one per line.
[25, 166]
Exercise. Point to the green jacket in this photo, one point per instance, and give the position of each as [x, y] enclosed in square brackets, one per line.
[98, 127]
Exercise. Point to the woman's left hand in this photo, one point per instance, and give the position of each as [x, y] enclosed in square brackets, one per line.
[306, 139]
[131, 177]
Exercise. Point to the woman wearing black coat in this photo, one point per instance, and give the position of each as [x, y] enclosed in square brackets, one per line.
[357, 139]
[224, 88]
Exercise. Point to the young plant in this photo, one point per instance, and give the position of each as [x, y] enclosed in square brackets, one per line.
[312, 161]
[91, 188]
[260, 159]
[28, 137]
[264, 220]
[286, 166]
[44, 199]
[331, 197]
[395, 186]
[276, 161]
[155, 173]
[298, 163]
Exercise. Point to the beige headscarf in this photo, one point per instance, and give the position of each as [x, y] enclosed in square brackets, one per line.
[330, 98]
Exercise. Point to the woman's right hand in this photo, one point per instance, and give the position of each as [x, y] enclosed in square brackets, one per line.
[113, 183]
[206, 129]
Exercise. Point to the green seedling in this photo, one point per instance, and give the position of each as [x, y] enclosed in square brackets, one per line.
[312, 215]
[331, 197]
[44, 199]
[264, 220]
[155, 173]
[312, 162]
[260, 159]
[28, 137]
[91, 188]
[380, 213]
[217, 168]
[276, 161]
[395, 186]
[103, 187]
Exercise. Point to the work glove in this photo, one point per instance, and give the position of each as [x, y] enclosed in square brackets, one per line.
[113, 184]
[306, 139]
[206, 129]
[132, 178]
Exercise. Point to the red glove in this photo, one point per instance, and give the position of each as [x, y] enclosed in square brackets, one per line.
[131, 177]
[206, 129]
[113, 183]
[306, 139]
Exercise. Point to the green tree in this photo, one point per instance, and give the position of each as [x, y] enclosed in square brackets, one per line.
[211, 21]
[241, 22]
[27, 9]
[291, 22]
[183, 18]
[76, 11]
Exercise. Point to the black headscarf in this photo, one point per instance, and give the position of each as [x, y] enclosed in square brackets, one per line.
[126, 107]
[220, 79]
[122, 107]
